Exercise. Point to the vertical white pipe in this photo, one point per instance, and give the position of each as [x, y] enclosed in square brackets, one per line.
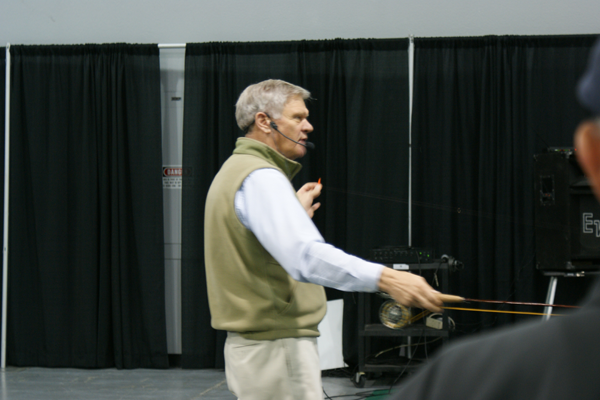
[411, 49]
[411, 52]
[6, 175]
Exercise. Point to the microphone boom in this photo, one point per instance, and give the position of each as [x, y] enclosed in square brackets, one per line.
[308, 145]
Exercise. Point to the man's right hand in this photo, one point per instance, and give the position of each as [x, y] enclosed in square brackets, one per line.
[410, 290]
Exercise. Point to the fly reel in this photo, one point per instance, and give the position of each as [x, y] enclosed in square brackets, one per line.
[394, 315]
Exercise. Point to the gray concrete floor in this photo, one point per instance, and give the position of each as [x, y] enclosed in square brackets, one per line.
[172, 384]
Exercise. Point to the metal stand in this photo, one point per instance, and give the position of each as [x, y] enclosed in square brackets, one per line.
[550, 297]
[368, 329]
[553, 284]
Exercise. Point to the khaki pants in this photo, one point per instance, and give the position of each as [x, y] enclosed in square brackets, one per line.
[282, 369]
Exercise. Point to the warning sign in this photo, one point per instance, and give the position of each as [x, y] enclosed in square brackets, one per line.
[172, 177]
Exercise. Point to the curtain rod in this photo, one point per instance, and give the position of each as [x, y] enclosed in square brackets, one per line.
[171, 45]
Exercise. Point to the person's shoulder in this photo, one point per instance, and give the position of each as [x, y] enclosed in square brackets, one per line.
[506, 337]
[463, 369]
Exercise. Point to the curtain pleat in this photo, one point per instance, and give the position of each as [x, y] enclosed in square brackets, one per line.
[86, 219]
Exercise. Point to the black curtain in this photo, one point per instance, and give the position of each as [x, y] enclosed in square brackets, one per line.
[482, 108]
[86, 279]
[360, 114]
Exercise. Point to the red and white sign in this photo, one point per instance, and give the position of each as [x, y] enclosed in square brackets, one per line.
[172, 177]
[172, 171]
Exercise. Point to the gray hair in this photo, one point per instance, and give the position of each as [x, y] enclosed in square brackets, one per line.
[268, 96]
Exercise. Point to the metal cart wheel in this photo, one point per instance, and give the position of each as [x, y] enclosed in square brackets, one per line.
[359, 380]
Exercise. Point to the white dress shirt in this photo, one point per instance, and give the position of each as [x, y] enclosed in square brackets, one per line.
[267, 205]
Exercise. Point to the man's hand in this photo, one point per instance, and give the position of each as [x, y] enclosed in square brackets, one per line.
[409, 289]
[307, 194]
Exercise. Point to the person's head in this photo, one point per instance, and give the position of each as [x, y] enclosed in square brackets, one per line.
[587, 135]
[268, 96]
[280, 102]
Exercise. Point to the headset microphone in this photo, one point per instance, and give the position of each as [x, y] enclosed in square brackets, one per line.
[308, 145]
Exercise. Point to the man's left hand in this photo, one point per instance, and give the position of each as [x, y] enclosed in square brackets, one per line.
[307, 195]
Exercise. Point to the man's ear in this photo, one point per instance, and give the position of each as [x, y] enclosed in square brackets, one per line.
[587, 145]
[262, 121]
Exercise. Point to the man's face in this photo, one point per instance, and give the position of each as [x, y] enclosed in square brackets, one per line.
[294, 124]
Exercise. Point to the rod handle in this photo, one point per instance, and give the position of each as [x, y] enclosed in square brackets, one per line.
[450, 298]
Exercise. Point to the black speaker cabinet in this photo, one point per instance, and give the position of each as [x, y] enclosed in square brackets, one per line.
[567, 215]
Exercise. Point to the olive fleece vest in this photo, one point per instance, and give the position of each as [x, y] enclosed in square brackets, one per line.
[248, 291]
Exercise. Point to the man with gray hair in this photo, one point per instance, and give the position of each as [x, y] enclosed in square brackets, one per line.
[266, 262]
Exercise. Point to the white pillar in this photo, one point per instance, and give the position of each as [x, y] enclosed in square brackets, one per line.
[6, 175]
